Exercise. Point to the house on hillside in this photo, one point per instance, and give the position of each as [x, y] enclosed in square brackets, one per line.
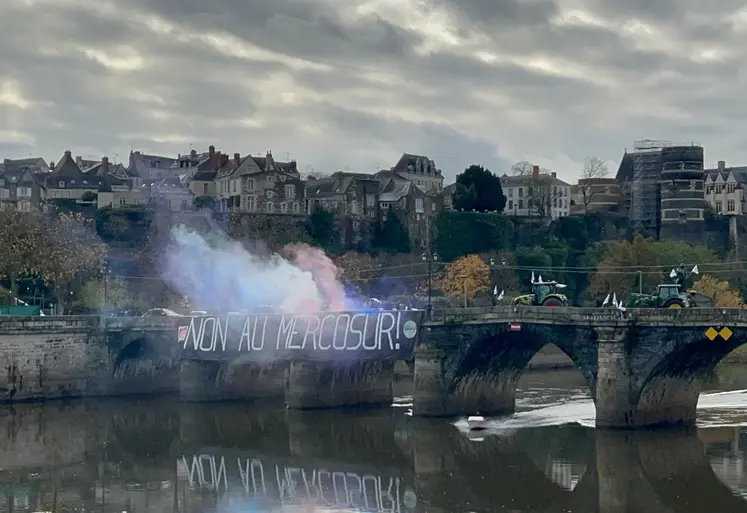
[19, 187]
[415, 207]
[68, 182]
[201, 171]
[724, 189]
[419, 170]
[33, 164]
[536, 195]
[148, 168]
[262, 185]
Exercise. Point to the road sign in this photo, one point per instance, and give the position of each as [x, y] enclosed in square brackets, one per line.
[514, 326]
[711, 333]
[725, 333]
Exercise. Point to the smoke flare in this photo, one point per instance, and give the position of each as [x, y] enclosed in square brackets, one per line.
[220, 274]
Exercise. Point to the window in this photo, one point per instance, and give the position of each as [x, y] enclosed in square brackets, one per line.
[61, 184]
[510, 192]
[730, 207]
[122, 201]
[250, 184]
[296, 207]
[270, 194]
[730, 187]
[290, 192]
[510, 204]
[234, 185]
[433, 206]
[354, 207]
[719, 207]
[521, 204]
[269, 206]
[205, 189]
[284, 207]
[370, 200]
[249, 204]
[24, 192]
[185, 204]
[718, 189]
[521, 193]
[419, 206]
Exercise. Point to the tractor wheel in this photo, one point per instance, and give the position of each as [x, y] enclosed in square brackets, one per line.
[552, 302]
[674, 303]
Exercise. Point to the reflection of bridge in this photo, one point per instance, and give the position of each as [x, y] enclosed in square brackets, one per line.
[166, 457]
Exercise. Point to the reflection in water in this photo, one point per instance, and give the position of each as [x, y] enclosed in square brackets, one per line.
[161, 456]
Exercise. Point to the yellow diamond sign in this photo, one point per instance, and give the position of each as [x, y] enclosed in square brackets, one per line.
[725, 333]
[711, 333]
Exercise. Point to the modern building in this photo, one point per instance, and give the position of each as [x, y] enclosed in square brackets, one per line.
[662, 190]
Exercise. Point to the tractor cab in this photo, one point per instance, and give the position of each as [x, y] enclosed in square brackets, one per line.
[667, 291]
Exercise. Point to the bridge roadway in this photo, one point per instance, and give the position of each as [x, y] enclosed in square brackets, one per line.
[189, 458]
[643, 367]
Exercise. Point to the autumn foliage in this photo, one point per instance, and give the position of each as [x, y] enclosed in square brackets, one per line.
[723, 296]
[468, 274]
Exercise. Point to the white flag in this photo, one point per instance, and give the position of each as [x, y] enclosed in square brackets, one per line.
[695, 270]
[673, 274]
[614, 299]
[532, 276]
[500, 296]
[495, 290]
[540, 279]
[606, 300]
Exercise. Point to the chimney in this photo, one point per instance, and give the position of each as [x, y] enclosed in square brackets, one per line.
[193, 153]
[68, 154]
[211, 150]
[51, 165]
[79, 160]
[105, 165]
[269, 162]
[535, 171]
[237, 159]
[722, 164]
[554, 174]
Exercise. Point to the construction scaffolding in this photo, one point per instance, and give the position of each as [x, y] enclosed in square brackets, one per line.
[645, 193]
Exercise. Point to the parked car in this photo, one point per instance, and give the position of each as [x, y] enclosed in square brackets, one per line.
[161, 312]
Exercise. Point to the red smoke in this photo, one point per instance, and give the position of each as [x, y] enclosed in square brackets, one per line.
[324, 273]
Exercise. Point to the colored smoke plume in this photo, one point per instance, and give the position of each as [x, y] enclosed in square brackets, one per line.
[220, 274]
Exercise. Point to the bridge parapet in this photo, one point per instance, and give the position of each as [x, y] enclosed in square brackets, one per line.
[601, 317]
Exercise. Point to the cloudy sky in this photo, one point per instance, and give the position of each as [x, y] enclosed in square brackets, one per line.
[351, 84]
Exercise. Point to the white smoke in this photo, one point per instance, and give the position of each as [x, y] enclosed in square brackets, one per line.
[220, 274]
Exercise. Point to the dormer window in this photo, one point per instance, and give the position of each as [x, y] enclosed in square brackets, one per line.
[61, 184]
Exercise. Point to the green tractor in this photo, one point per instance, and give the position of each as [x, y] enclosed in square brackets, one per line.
[544, 293]
[667, 295]
[671, 295]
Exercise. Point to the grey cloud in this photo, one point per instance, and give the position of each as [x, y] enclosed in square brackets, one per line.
[360, 112]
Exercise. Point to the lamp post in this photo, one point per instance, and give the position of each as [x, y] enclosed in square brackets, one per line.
[430, 258]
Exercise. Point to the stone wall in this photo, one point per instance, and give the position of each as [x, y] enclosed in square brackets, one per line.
[74, 356]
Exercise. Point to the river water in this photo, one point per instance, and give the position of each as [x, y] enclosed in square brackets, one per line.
[159, 455]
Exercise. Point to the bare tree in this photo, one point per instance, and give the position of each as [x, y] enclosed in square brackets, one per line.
[521, 168]
[593, 168]
[542, 195]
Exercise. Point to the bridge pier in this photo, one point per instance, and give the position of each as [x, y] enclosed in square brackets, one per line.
[317, 385]
[615, 379]
[198, 381]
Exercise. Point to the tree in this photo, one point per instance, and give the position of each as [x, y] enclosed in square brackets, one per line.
[542, 195]
[723, 296]
[593, 168]
[392, 235]
[522, 168]
[322, 228]
[643, 264]
[19, 244]
[479, 189]
[70, 246]
[358, 269]
[96, 295]
[466, 277]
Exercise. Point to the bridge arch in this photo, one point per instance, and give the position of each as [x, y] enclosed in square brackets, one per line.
[145, 365]
[672, 377]
[483, 372]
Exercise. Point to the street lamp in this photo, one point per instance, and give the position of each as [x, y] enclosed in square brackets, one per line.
[430, 258]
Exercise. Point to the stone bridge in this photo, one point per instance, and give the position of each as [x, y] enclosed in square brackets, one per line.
[643, 367]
